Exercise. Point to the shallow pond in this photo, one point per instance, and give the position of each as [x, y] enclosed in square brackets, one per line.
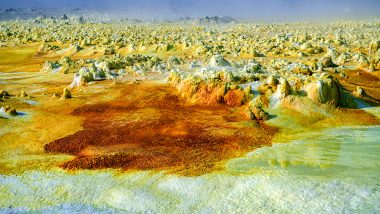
[330, 171]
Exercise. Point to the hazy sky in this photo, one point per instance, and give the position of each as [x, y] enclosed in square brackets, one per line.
[251, 9]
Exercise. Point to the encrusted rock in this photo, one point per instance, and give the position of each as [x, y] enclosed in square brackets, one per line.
[359, 92]
[343, 58]
[284, 88]
[218, 60]
[299, 68]
[374, 46]
[23, 94]
[4, 94]
[73, 49]
[173, 60]
[272, 81]
[324, 90]
[235, 97]
[371, 67]
[327, 62]
[66, 94]
[252, 67]
[99, 71]
[8, 111]
[50, 67]
[257, 111]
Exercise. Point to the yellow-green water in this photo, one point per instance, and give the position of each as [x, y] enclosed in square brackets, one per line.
[330, 171]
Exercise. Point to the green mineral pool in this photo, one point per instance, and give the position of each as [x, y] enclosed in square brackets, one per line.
[330, 171]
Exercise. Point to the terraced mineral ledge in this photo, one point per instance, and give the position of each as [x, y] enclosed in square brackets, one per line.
[204, 115]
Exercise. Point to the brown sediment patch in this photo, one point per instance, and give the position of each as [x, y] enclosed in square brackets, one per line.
[368, 81]
[149, 128]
